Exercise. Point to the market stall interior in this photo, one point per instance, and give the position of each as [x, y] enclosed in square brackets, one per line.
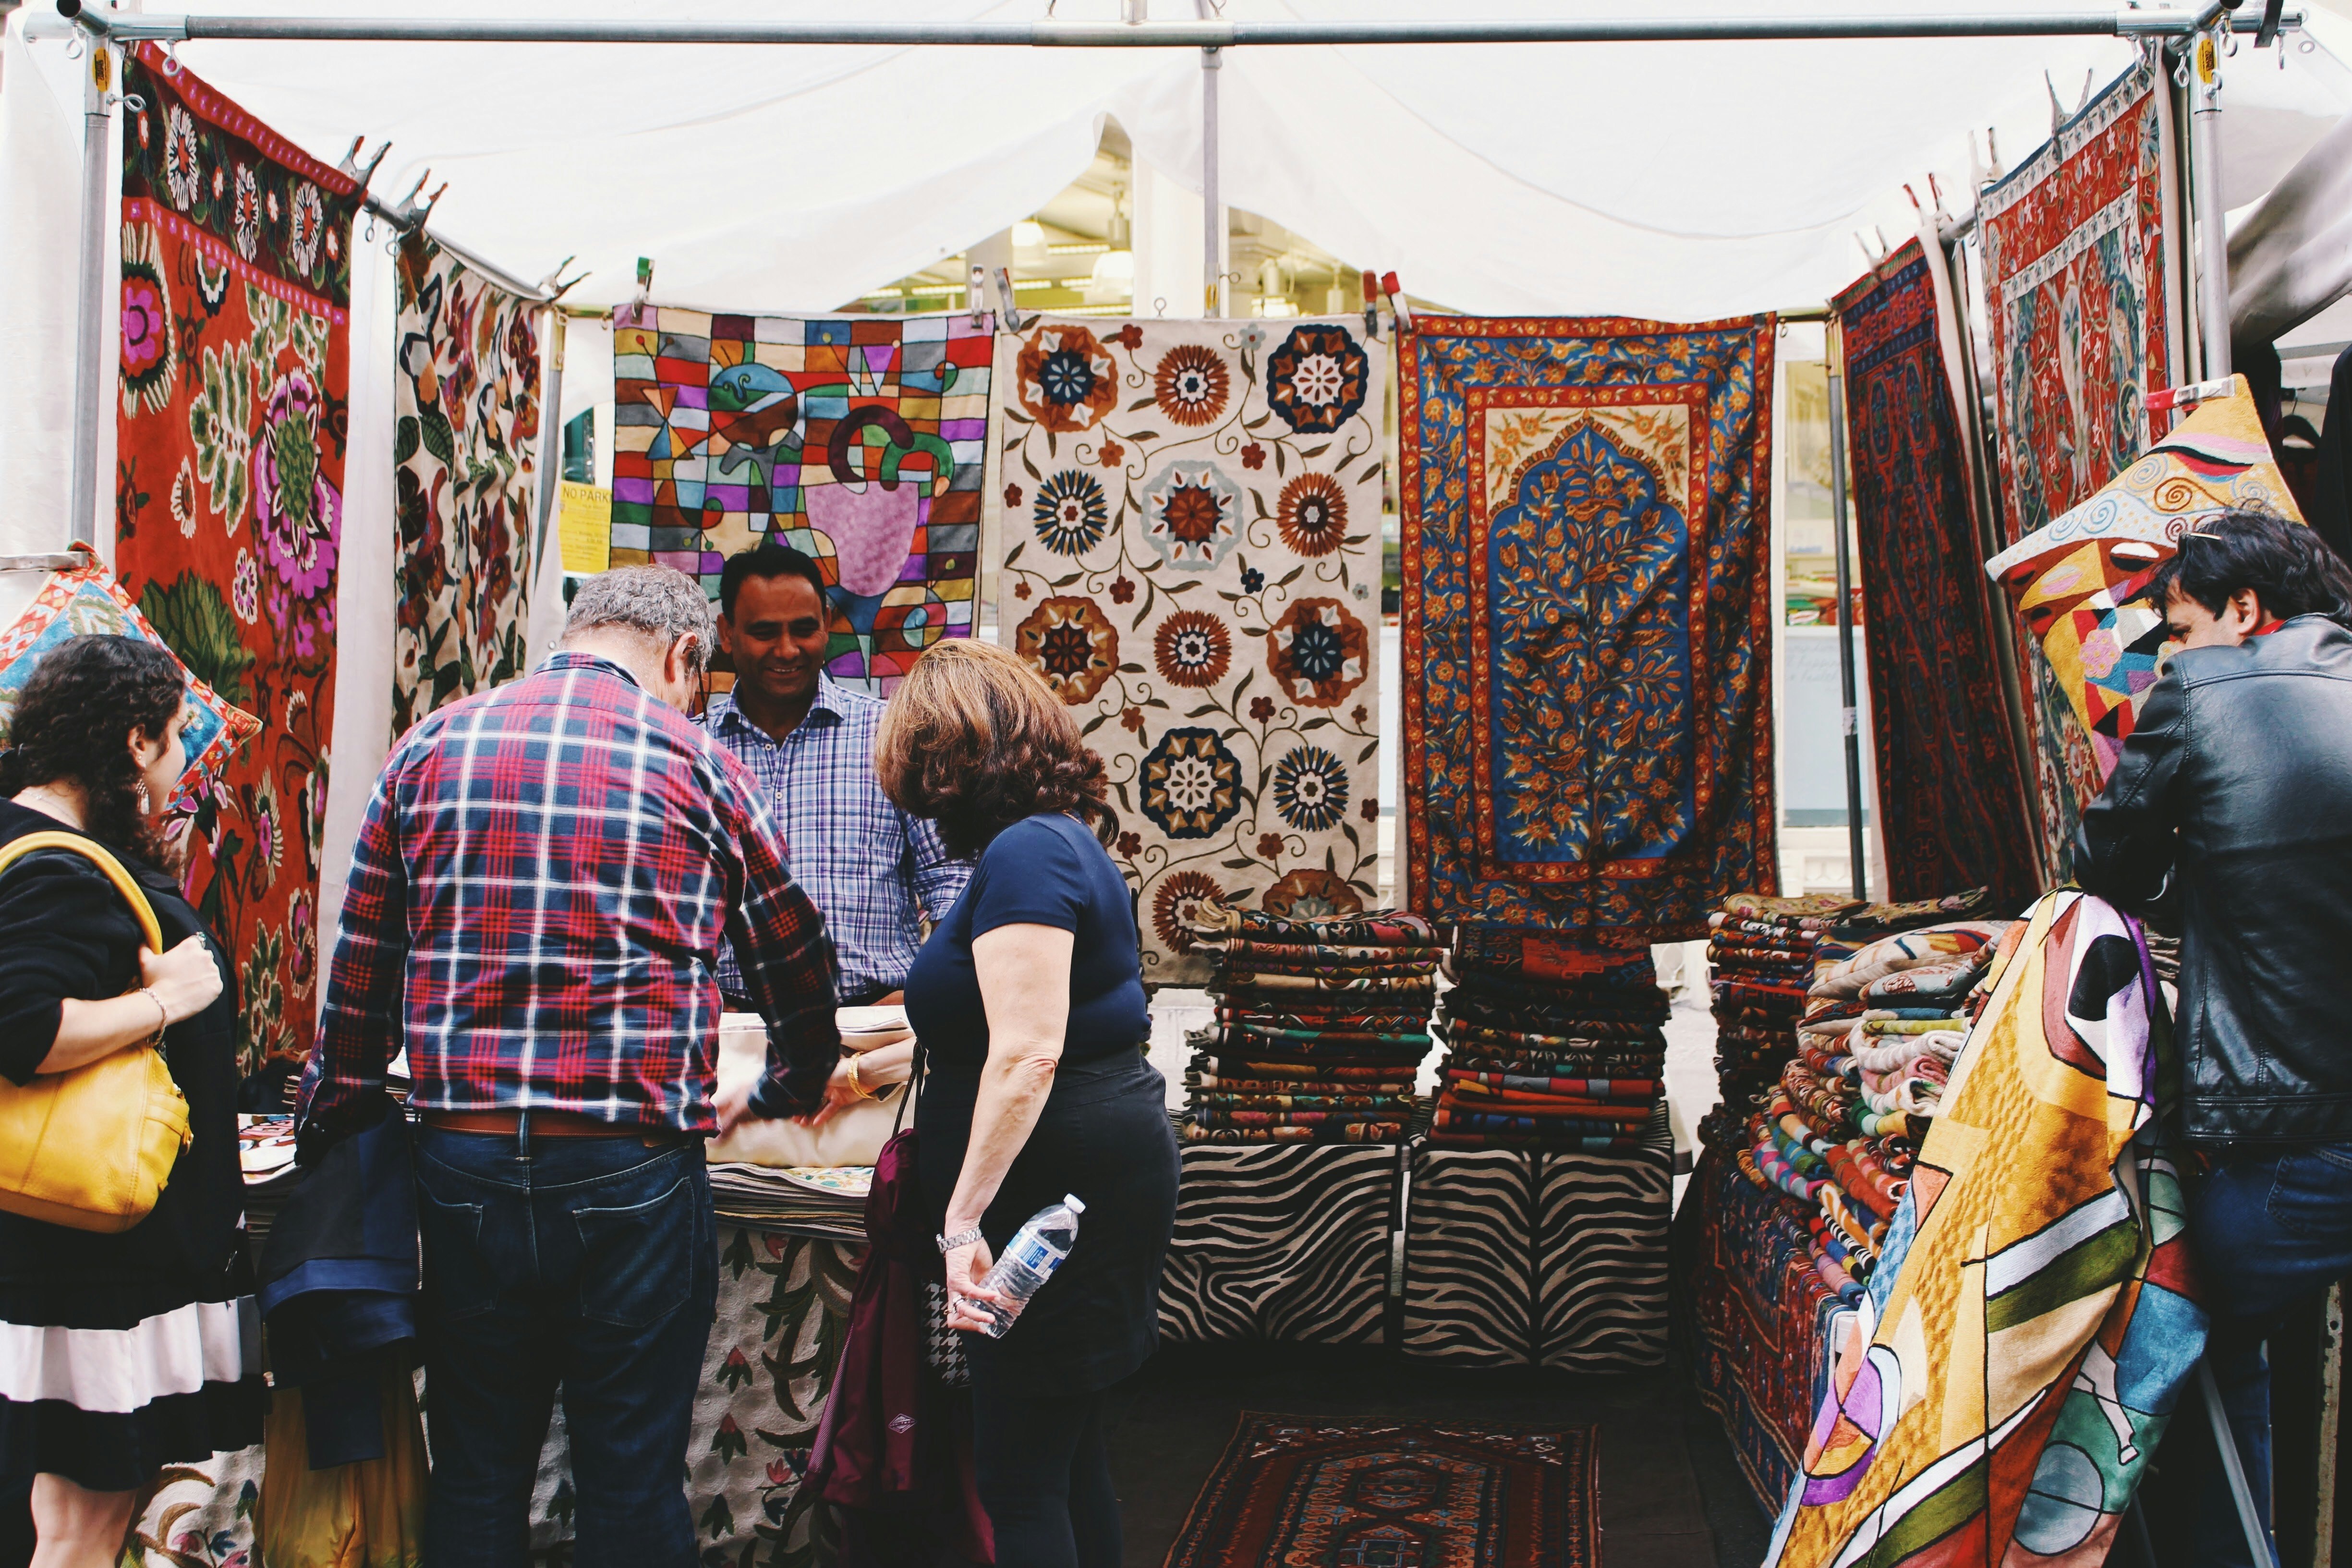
[1593, 688]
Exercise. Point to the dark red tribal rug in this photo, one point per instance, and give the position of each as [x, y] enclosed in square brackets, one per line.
[1297, 1491]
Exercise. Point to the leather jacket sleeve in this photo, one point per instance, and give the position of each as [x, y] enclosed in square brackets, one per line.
[2129, 836]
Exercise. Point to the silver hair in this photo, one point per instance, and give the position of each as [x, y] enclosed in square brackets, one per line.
[658, 603]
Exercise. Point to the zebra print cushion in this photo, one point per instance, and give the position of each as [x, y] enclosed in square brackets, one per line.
[1514, 1257]
[1281, 1242]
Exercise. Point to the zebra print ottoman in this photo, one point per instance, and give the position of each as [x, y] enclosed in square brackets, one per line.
[1281, 1241]
[1517, 1258]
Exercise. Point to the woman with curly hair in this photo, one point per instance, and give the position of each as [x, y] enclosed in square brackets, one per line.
[1029, 999]
[119, 1353]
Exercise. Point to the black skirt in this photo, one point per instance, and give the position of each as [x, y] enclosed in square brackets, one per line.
[1105, 1137]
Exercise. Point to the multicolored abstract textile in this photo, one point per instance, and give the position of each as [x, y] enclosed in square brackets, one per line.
[858, 440]
[89, 601]
[1301, 1488]
[2005, 1403]
[465, 444]
[228, 513]
[1587, 715]
[2073, 580]
[1191, 519]
[2073, 255]
[1949, 779]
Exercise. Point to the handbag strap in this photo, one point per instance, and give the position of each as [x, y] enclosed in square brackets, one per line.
[98, 855]
[914, 1087]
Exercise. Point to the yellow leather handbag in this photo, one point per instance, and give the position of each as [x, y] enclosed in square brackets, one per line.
[92, 1149]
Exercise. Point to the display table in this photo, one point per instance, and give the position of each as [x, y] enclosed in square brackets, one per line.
[783, 1305]
[1278, 1241]
[1762, 1319]
[1516, 1258]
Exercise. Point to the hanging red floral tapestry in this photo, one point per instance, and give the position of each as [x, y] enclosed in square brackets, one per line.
[235, 300]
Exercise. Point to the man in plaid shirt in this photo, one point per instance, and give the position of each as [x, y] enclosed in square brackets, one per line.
[541, 889]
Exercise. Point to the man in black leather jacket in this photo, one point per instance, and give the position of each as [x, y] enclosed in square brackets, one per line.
[2231, 812]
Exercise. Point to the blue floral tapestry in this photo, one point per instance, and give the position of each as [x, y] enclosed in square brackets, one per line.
[1587, 704]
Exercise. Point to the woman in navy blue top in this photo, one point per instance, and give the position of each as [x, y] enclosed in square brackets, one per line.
[1029, 1000]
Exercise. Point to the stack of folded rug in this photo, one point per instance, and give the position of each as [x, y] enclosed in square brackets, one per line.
[1321, 1025]
[1550, 1045]
[1880, 1021]
[1759, 953]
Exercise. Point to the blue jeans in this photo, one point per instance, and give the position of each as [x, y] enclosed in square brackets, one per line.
[590, 1263]
[2270, 1230]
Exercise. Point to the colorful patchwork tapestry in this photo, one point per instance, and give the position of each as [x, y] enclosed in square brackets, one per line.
[86, 602]
[1303, 1488]
[2005, 1404]
[228, 513]
[1949, 782]
[1586, 633]
[2074, 253]
[858, 440]
[2075, 581]
[1190, 514]
[464, 445]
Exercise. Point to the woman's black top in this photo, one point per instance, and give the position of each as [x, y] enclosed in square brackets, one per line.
[65, 932]
[1104, 1133]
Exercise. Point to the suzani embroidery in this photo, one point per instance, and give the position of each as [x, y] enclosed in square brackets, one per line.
[1189, 513]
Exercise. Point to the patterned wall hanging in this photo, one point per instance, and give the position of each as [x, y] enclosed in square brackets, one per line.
[2077, 582]
[1190, 524]
[464, 445]
[228, 511]
[858, 440]
[88, 602]
[1948, 767]
[2073, 257]
[1587, 631]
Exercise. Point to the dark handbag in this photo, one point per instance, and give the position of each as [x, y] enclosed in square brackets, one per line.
[942, 1346]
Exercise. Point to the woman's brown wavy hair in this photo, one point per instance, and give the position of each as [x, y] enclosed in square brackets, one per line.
[974, 740]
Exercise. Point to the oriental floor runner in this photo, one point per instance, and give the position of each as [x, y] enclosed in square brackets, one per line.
[2075, 266]
[1294, 1491]
[1949, 779]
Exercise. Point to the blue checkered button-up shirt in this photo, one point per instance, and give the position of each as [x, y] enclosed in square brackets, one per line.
[873, 871]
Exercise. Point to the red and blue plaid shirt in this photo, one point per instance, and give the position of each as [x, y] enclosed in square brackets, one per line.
[542, 886]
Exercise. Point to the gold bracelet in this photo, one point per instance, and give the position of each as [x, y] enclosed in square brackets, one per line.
[857, 1088]
[162, 1014]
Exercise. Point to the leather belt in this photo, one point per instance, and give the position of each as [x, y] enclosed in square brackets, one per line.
[547, 1124]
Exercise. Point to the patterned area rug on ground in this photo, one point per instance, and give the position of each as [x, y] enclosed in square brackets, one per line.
[1438, 1494]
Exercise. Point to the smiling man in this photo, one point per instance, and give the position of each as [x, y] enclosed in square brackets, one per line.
[875, 872]
[2232, 804]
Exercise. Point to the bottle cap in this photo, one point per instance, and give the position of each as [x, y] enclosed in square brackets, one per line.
[1073, 1205]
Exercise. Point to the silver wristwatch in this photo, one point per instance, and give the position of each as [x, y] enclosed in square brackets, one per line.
[960, 1238]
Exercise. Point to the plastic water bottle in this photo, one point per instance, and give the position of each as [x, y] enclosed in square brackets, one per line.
[1030, 1258]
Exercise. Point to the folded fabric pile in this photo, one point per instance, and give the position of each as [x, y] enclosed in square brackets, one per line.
[1321, 1025]
[1550, 1045]
[1878, 1024]
[1759, 955]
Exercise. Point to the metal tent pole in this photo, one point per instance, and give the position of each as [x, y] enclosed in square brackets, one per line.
[1834, 361]
[97, 84]
[1213, 254]
[550, 415]
[2099, 21]
[2205, 194]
